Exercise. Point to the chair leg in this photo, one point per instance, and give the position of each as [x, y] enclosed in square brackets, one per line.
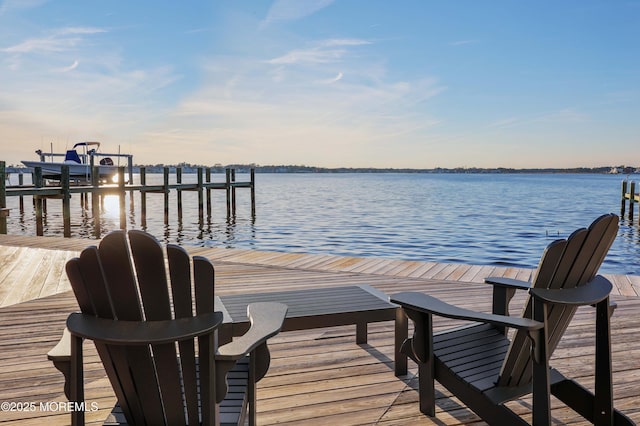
[583, 402]
[77, 380]
[420, 349]
[251, 390]
[603, 409]
[597, 408]
[541, 387]
[426, 386]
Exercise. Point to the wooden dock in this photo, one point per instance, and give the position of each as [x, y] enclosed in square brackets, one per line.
[316, 376]
[629, 192]
[40, 193]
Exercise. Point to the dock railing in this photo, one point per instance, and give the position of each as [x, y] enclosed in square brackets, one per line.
[63, 191]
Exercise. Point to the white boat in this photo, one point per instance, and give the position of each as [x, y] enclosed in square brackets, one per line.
[79, 159]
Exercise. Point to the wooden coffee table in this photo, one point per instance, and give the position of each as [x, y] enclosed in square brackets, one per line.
[319, 308]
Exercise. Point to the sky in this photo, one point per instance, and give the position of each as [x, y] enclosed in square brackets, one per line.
[329, 83]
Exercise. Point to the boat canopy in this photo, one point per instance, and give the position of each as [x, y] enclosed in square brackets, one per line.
[87, 144]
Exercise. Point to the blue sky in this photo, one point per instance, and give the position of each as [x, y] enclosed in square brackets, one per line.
[353, 83]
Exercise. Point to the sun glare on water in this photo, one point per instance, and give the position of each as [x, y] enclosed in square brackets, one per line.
[111, 207]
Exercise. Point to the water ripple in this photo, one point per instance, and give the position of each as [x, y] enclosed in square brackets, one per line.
[500, 220]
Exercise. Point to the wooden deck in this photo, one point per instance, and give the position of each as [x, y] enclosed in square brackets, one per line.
[317, 376]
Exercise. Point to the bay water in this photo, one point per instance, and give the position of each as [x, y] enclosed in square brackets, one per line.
[483, 219]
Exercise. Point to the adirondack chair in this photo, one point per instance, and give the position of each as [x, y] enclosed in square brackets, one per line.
[160, 357]
[484, 368]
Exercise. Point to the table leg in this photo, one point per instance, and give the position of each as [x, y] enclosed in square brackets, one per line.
[401, 334]
[361, 333]
[225, 334]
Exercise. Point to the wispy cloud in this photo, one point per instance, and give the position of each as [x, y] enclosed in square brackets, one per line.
[344, 42]
[505, 123]
[562, 116]
[291, 10]
[565, 115]
[332, 80]
[302, 107]
[10, 5]
[463, 42]
[71, 67]
[58, 41]
[43, 100]
[325, 51]
[312, 56]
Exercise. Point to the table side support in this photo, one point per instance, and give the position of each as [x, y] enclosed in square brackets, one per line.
[401, 334]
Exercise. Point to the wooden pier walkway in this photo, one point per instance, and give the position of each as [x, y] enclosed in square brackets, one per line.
[316, 376]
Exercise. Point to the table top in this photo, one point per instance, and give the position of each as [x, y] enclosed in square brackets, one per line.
[331, 302]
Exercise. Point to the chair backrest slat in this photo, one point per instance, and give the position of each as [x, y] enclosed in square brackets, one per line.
[180, 273]
[566, 261]
[119, 276]
[92, 299]
[151, 274]
[565, 264]
[549, 261]
[204, 275]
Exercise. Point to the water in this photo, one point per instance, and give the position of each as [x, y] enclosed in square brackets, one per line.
[487, 219]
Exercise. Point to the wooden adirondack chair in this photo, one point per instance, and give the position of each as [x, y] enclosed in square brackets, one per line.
[158, 354]
[484, 368]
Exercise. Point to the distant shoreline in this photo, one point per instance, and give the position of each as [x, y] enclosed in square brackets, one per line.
[242, 168]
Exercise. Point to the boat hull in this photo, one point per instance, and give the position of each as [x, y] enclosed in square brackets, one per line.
[52, 170]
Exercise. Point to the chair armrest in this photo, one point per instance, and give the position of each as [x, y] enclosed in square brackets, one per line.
[427, 304]
[593, 292]
[266, 321]
[508, 283]
[60, 356]
[503, 291]
[61, 351]
[118, 332]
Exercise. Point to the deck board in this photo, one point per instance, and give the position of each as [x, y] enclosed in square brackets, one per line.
[316, 376]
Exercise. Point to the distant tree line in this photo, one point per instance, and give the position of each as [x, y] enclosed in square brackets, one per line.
[242, 168]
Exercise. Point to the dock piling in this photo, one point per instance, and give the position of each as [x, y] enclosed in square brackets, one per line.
[165, 188]
[95, 203]
[228, 189]
[143, 198]
[121, 198]
[208, 180]
[38, 200]
[4, 212]
[200, 197]
[21, 182]
[252, 176]
[179, 191]
[66, 201]
[233, 191]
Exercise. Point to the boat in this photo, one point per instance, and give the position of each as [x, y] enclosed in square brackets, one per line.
[80, 160]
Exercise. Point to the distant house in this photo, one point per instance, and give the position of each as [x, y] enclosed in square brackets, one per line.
[622, 169]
